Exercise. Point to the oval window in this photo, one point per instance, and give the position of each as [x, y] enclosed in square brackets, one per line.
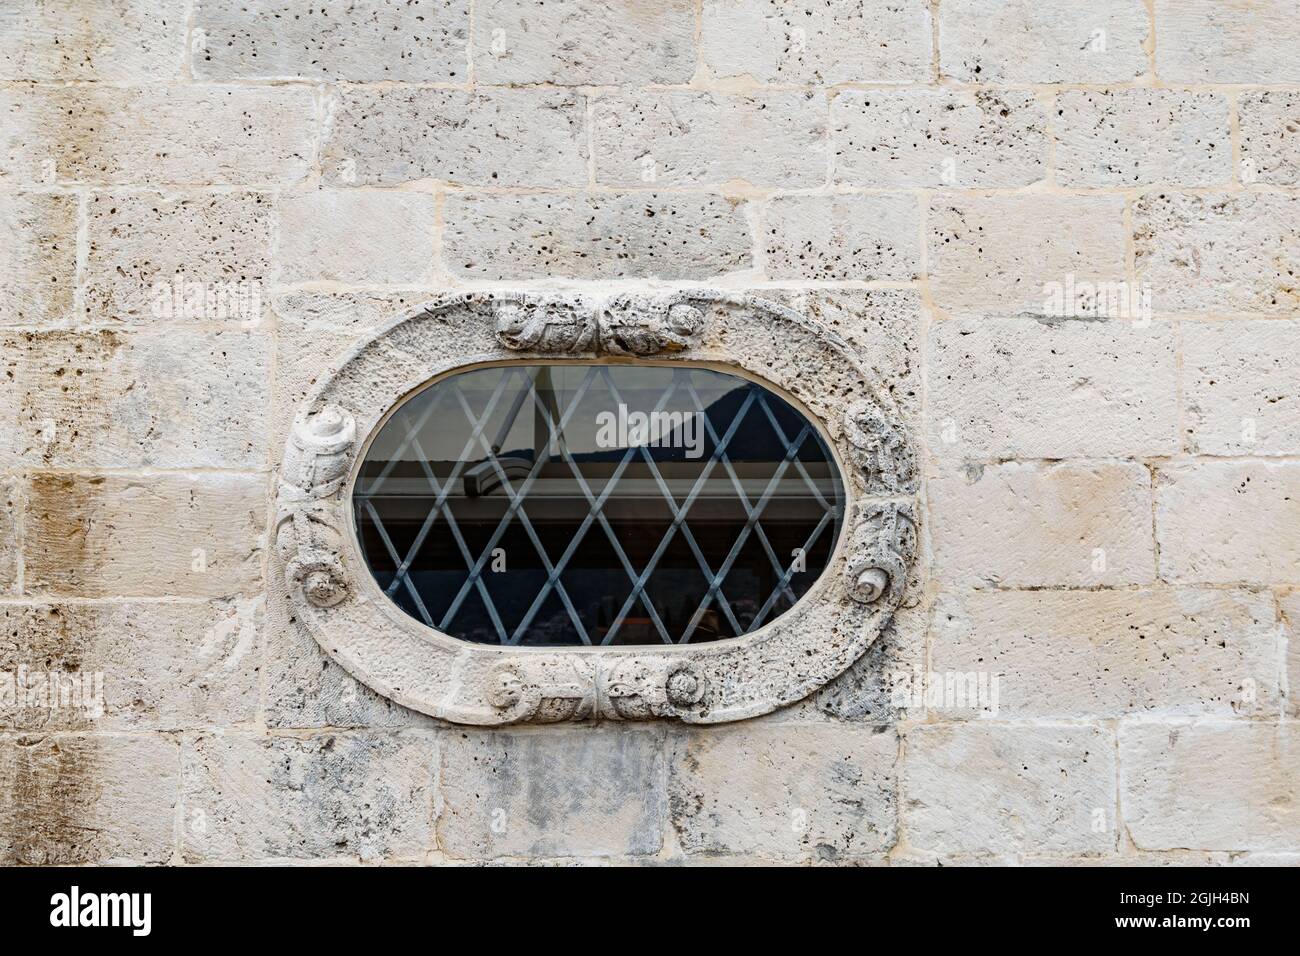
[587, 504]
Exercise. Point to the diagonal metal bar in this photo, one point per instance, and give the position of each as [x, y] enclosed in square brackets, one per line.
[392, 553]
[803, 472]
[552, 575]
[442, 493]
[739, 486]
[716, 583]
[595, 513]
[678, 519]
[784, 584]
[514, 505]
[425, 414]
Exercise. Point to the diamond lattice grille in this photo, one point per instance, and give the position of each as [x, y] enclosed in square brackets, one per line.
[575, 504]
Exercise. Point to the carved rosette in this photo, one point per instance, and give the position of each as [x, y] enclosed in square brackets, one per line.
[787, 659]
[316, 464]
[633, 324]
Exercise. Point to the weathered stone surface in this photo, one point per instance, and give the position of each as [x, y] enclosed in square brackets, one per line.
[189, 134]
[841, 41]
[843, 237]
[1270, 148]
[1026, 388]
[987, 789]
[1076, 655]
[939, 138]
[1136, 137]
[367, 795]
[1241, 387]
[884, 325]
[1029, 525]
[1207, 41]
[593, 236]
[107, 40]
[1175, 792]
[785, 791]
[162, 535]
[164, 666]
[584, 42]
[305, 689]
[147, 252]
[73, 800]
[1232, 252]
[1289, 604]
[997, 255]
[691, 138]
[1049, 41]
[38, 257]
[501, 137]
[10, 506]
[365, 41]
[360, 236]
[163, 399]
[580, 792]
[877, 688]
[1225, 522]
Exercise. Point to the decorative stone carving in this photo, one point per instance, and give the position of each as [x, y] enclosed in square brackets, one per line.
[421, 668]
[546, 325]
[884, 543]
[316, 464]
[649, 324]
[880, 447]
[632, 324]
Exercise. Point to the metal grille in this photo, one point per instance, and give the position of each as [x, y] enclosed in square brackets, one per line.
[544, 543]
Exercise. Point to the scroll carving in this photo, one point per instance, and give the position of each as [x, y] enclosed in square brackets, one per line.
[880, 448]
[884, 543]
[315, 466]
[626, 690]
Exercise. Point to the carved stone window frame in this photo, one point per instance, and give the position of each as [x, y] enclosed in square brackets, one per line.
[338, 601]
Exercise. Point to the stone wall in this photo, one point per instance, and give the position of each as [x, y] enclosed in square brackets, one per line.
[1065, 234]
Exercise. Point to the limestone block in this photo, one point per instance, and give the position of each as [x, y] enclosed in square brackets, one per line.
[985, 789]
[842, 41]
[108, 40]
[1207, 41]
[938, 138]
[1224, 522]
[501, 137]
[1030, 525]
[1270, 148]
[1003, 255]
[843, 237]
[1048, 41]
[38, 258]
[785, 791]
[365, 41]
[75, 800]
[1217, 253]
[1137, 137]
[1241, 387]
[157, 399]
[564, 792]
[187, 257]
[1076, 655]
[1175, 791]
[197, 535]
[359, 236]
[367, 795]
[161, 666]
[589, 236]
[153, 135]
[584, 42]
[1026, 388]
